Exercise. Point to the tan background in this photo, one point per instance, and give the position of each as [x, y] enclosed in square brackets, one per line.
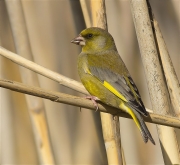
[76, 136]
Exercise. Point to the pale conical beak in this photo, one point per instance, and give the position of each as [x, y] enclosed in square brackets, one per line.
[79, 41]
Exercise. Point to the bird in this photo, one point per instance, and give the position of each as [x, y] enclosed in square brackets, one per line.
[105, 76]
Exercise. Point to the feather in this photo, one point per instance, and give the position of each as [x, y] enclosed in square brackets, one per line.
[123, 87]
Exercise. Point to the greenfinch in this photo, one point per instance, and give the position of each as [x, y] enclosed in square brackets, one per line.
[106, 78]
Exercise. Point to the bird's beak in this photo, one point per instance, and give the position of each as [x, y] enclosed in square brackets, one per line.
[79, 40]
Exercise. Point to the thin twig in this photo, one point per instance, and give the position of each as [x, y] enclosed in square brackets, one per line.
[43, 71]
[84, 103]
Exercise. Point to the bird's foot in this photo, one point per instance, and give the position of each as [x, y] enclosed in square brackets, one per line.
[93, 99]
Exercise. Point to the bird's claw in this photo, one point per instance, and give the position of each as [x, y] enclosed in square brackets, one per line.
[93, 99]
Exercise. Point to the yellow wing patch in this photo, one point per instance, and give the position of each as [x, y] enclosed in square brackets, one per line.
[113, 90]
[134, 117]
[129, 111]
[108, 86]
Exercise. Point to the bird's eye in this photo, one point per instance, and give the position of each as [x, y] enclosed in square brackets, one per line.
[89, 35]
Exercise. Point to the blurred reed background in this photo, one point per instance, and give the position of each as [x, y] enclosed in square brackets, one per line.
[75, 136]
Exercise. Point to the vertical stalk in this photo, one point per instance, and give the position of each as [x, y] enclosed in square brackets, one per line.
[155, 78]
[110, 124]
[35, 105]
[169, 71]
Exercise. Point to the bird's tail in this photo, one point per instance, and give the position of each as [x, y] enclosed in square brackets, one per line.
[141, 125]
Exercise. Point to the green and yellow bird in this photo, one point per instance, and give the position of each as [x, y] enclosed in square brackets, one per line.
[106, 78]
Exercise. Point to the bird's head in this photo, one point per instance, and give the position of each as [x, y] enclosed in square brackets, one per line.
[95, 40]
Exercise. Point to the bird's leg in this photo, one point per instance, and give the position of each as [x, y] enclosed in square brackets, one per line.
[93, 99]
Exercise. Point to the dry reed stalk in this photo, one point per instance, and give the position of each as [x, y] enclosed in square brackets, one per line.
[82, 102]
[65, 81]
[35, 105]
[110, 124]
[85, 13]
[155, 78]
[169, 71]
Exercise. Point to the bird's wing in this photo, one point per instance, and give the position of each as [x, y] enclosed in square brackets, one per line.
[122, 86]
